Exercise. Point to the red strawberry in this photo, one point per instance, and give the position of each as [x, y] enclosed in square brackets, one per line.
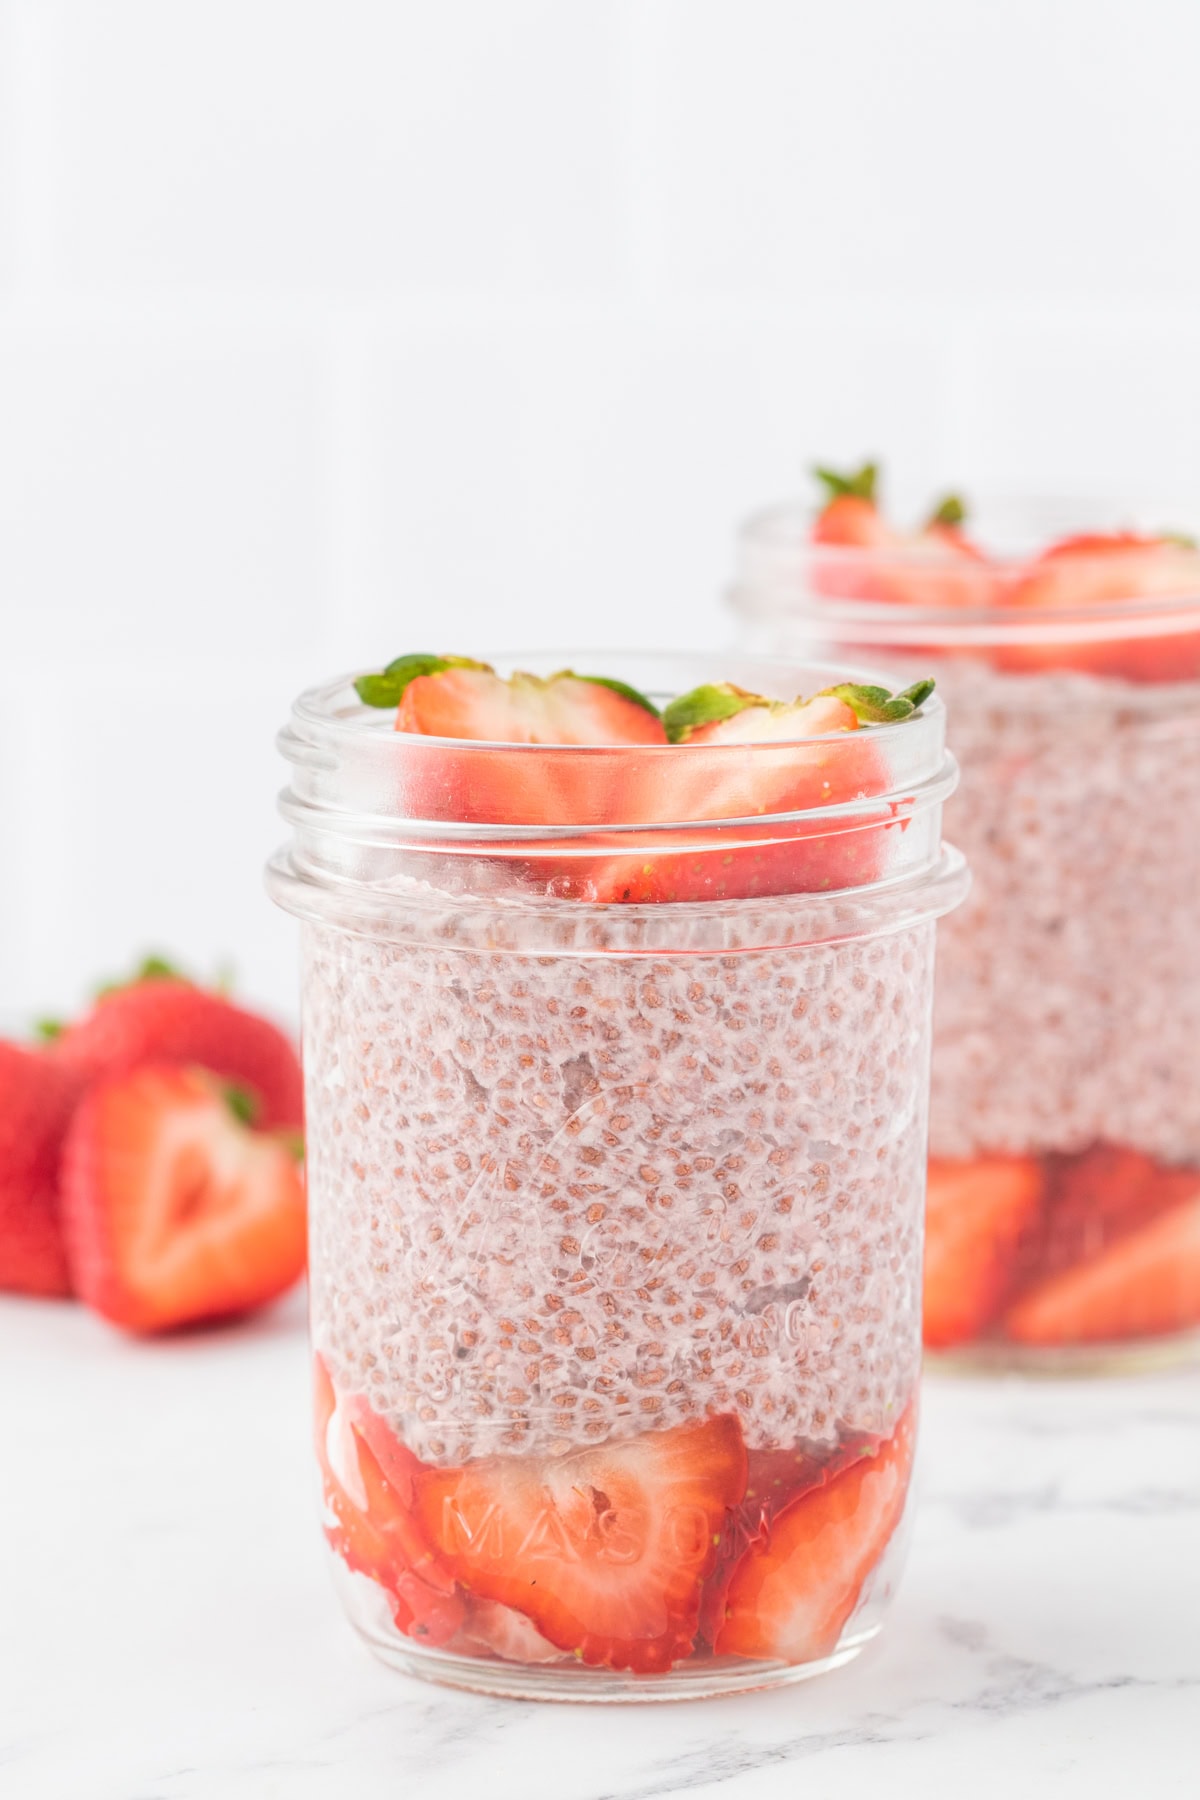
[369, 1498]
[739, 783]
[791, 1597]
[526, 709]
[174, 1210]
[165, 1019]
[1096, 1197]
[977, 1214]
[934, 566]
[775, 1478]
[454, 698]
[1144, 1284]
[36, 1098]
[1095, 569]
[605, 1550]
[850, 516]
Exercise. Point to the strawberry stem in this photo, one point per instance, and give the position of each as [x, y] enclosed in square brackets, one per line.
[386, 687]
[859, 484]
[704, 705]
[950, 511]
[241, 1103]
[876, 706]
[151, 968]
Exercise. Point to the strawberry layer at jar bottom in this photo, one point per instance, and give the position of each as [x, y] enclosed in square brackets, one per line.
[671, 1556]
[1062, 1261]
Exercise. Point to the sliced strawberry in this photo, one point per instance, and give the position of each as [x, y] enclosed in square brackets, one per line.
[803, 857]
[977, 1215]
[635, 783]
[792, 1596]
[775, 1479]
[165, 1019]
[173, 1209]
[371, 1524]
[1093, 569]
[1096, 1197]
[452, 697]
[527, 709]
[36, 1099]
[936, 566]
[1142, 1285]
[605, 1550]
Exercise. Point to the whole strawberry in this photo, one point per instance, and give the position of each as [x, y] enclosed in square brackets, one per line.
[37, 1094]
[160, 1017]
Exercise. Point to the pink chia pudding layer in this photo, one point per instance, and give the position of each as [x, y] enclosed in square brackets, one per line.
[567, 1198]
[1068, 982]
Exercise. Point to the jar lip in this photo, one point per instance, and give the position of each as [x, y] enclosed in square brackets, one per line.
[354, 775]
[332, 708]
[777, 558]
[578, 839]
[367, 803]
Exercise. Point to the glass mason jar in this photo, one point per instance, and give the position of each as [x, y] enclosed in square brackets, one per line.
[1063, 1230]
[615, 1202]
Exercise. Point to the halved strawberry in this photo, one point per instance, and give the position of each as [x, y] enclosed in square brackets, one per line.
[1144, 1284]
[163, 1018]
[937, 565]
[528, 709]
[977, 1215]
[814, 766]
[455, 698]
[1095, 568]
[371, 1523]
[606, 1550]
[792, 1596]
[174, 1210]
[36, 1098]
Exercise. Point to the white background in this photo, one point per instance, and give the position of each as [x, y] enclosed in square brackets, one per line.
[333, 330]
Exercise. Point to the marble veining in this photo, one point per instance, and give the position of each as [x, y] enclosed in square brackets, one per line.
[169, 1634]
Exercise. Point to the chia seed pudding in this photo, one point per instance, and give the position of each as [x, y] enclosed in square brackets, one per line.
[615, 1215]
[1063, 1223]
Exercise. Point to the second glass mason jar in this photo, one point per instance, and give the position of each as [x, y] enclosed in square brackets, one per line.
[1063, 1230]
[616, 1201]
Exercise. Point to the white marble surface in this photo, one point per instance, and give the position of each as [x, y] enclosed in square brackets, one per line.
[168, 1631]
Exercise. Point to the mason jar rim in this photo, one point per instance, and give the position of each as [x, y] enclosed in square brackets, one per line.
[777, 556]
[330, 728]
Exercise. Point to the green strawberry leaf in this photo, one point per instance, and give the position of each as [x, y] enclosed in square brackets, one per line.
[46, 1030]
[241, 1103]
[918, 693]
[876, 706]
[950, 511]
[704, 705]
[386, 687]
[859, 484]
[151, 968]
